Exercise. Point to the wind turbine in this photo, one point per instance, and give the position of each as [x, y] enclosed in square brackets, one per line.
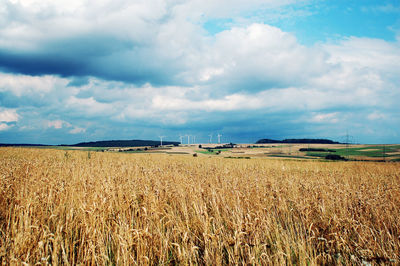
[188, 136]
[210, 138]
[219, 138]
[194, 139]
[161, 138]
[180, 137]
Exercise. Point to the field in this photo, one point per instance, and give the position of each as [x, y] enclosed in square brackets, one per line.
[80, 207]
[288, 151]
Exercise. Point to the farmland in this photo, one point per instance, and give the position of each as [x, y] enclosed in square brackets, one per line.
[288, 151]
[283, 151]
[72, 206]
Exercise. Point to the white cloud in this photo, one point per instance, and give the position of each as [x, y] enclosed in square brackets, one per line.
[376, 116]
[227, 103]
[366, 72]
[89, 106]
[38, 21]
[240, 55]
[255, 57]
[77, 130]
[4, 126]
[325, 118]
[225, 8]
[8, 115]
[58, 124]
[129, 32]
[367, 54]
[21, 85]
[209, 73]
[388, 8]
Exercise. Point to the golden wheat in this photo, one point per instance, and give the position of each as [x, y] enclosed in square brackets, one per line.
[65, 207]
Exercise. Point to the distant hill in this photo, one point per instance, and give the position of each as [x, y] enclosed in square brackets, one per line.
[103, 143]
[20, 145]
[122, 143]
[300, 141]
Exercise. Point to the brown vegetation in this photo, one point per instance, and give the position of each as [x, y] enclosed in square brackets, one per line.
[63, 207]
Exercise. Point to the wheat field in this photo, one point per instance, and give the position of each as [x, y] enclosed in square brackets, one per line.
[75, 207]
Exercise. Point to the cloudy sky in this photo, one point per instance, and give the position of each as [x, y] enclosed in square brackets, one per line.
[87, 70]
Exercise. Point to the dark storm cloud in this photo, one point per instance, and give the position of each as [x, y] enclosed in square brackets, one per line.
[40, 64]
[101, 57]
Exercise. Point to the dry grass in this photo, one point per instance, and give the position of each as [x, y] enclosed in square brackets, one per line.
[65, 208]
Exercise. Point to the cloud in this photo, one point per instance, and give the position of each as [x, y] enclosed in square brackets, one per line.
[4, 126]
[366, 53]
[29, 85]
[387, 8]
[254, 58]
[230, 102]
[8, 115]
[58, 124]
[133, 41]
[325, 118]
[134, 68]
[8, 118]
[376, 116]
[77, 130]
[46, 37]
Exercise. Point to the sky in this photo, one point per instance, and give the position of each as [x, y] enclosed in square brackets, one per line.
[74, 71]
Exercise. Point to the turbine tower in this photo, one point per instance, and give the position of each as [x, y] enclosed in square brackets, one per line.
[161, 138]
[181, 137]
[210, 138]
[188, 136]
[219, 138]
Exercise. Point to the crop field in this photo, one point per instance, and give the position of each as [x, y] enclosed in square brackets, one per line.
[387, 152]
[80, 207]
[354, 152]
[289, 151]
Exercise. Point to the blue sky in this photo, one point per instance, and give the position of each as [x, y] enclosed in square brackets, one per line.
[73, 71]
